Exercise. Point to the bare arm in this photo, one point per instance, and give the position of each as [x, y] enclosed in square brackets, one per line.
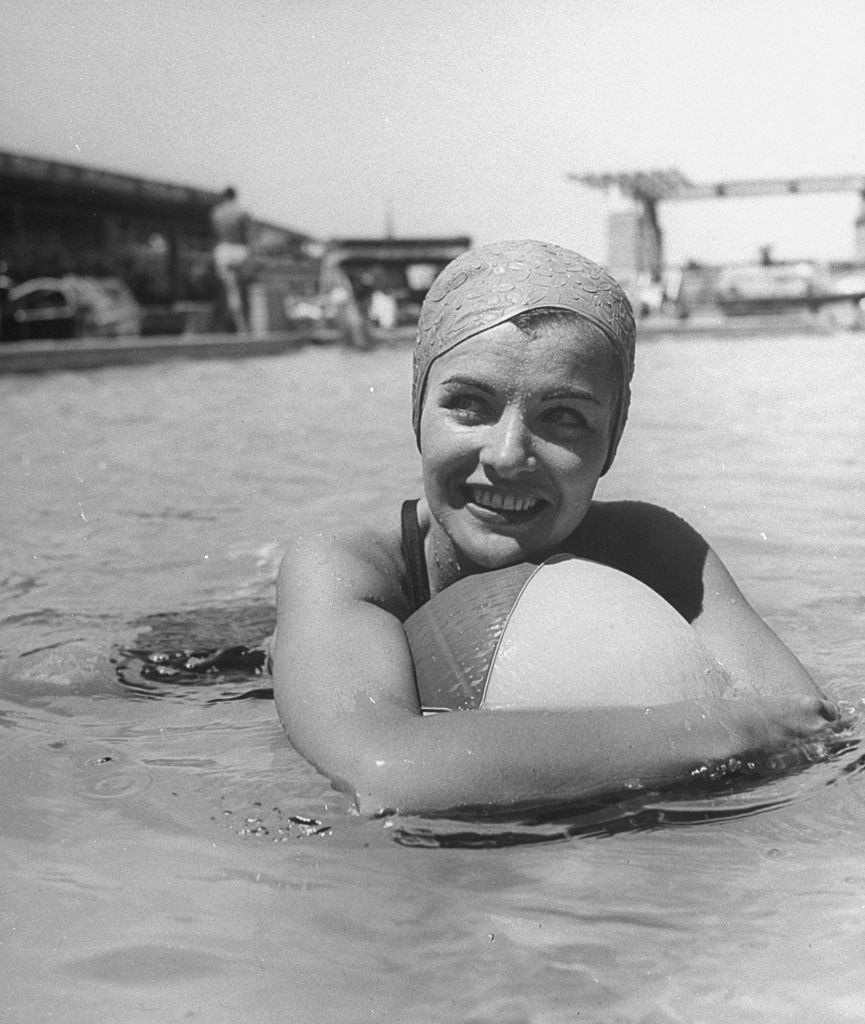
[672, 558]
[755, 658]
[344, 687]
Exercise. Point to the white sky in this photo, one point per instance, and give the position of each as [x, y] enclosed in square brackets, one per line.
[464, 116]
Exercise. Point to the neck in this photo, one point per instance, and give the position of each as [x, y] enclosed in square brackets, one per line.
[443, 562]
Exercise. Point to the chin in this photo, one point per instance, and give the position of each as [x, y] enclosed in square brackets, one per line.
[498, 553]
[482, 547]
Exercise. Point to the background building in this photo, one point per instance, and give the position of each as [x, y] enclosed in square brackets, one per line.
[59, 218]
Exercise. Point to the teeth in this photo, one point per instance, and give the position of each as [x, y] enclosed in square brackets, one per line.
[489, 498]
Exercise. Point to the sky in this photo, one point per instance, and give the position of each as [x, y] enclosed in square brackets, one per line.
[438, 117]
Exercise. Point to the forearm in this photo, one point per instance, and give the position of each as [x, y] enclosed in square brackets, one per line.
[502, 758]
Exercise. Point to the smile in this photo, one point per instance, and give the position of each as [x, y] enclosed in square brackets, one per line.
[502, 501]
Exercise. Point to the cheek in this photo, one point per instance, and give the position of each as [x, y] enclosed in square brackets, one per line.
[429, 430]
[577, 475]
[576, 460]
[444, 466]
[441, 443]
[438, 456]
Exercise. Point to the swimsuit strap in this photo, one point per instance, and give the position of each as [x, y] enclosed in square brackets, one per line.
[415, 559]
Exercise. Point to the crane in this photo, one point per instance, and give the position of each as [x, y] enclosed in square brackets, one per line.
[672, 184]
[635, 238]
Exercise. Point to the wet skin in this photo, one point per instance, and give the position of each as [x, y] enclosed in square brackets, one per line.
[514, 433]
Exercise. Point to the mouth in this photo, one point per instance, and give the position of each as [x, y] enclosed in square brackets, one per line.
[503, 506]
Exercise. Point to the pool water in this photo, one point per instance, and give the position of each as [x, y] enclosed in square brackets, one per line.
[167, 856]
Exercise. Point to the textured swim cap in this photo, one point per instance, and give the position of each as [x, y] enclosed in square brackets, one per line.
[494, 283]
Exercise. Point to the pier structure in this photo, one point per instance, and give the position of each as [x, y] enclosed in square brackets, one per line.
[401, 268]
[634, 232]
[60, 218]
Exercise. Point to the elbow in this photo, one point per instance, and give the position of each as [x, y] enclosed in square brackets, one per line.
[388, 783]
[370, 783]
[373, 784]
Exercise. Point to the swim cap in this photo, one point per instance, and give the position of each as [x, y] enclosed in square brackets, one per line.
[494, 283]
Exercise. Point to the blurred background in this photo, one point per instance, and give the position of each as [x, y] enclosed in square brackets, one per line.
[712, 154]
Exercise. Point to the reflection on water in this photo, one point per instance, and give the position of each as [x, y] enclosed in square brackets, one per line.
[189, 654]
[711, 797]
[173, 858]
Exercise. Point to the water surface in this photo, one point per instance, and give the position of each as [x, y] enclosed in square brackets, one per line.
[169, 857]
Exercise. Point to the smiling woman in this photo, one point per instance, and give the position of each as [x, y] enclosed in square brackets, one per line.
[521, 388]
[515, 432]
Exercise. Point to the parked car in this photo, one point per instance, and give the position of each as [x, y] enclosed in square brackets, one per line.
[773, 288]
[70, 307]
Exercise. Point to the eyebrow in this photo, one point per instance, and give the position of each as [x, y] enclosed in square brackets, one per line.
[578, 393]
[459, 380]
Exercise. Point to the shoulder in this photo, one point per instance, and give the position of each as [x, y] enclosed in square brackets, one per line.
[634, 513]
[628, 529]
[348, 564]
[651, 543]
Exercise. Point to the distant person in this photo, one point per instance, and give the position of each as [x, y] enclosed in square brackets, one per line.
[383, 309]
[232, 226]
[345, 309]
[5, 287]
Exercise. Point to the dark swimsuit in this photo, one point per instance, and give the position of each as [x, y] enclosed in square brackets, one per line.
[417, 579]
[415, 560]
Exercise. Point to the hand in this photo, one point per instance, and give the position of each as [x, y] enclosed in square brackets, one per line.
[778, 721]
[780, 733]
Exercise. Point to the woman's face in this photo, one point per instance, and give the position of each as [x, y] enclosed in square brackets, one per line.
[514, 432]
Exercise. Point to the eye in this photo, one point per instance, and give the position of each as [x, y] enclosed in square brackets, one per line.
[565, 417]
[467, 407]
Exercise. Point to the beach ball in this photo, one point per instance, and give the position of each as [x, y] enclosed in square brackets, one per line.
[568, 633]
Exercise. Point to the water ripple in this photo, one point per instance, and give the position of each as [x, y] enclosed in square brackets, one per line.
[108, 780]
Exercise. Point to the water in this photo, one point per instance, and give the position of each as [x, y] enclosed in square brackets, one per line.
[168, 857]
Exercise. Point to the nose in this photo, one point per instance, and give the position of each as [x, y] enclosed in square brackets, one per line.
[509, 446]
